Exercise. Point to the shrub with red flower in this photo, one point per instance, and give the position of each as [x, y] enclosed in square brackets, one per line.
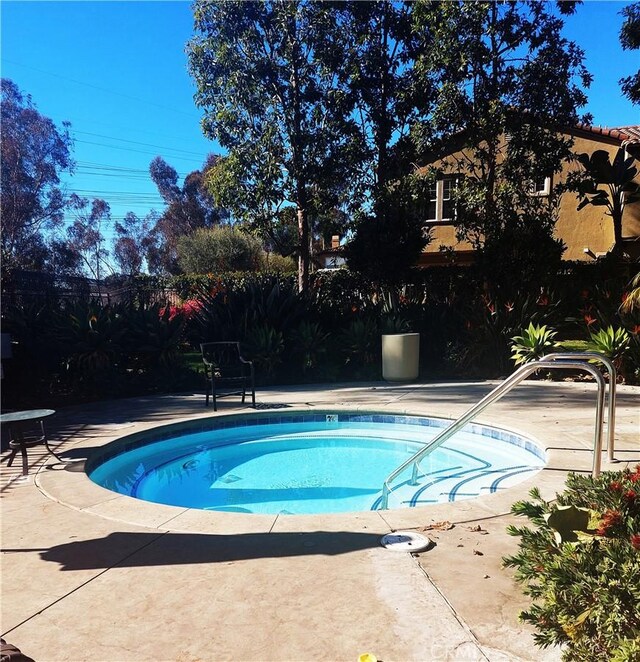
[174, 311]
[191, 307]
[187, 310]
[611, 519]
[584, 587]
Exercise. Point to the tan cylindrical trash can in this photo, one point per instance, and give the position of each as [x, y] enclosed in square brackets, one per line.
[400, 357]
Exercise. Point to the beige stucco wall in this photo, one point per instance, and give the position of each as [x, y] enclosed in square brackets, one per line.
[588, 228]
[444, 236]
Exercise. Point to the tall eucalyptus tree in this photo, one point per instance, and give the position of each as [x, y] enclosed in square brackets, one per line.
[267, 101]
[371, 47]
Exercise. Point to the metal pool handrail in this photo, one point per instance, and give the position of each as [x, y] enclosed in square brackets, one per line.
[501, 390]
[611, 407]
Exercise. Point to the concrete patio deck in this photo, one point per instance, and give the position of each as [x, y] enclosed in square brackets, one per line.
[91, 575]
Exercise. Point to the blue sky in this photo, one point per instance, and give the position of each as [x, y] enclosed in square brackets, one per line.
[118, 72]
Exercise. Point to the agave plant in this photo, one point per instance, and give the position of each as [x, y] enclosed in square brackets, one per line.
[611, 342]
[394, 324]
[309, 341]
[264, 345]
[533, 344]
[360, 343]
[90, 336]
[153, 335]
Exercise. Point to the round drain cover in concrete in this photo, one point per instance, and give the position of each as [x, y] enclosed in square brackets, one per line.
[405, 541]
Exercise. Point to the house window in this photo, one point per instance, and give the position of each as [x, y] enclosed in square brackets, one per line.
[441, 207]
[541, 186]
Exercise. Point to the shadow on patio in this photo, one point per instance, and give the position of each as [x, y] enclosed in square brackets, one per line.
[133, 549]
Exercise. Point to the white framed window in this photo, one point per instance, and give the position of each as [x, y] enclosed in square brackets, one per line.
[441, 207]
[541, 186]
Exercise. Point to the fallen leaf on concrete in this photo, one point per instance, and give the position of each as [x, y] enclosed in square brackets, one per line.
[477, 552]
[478, 529]
[438, 526]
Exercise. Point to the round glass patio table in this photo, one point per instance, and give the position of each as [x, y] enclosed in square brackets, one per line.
[19, 423]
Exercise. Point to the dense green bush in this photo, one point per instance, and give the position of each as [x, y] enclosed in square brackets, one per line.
[231, 310]
[86, 349]
[332, 332]
[219, 249]
[581, 566]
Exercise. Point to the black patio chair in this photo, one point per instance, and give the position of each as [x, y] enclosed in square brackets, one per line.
[227, 372]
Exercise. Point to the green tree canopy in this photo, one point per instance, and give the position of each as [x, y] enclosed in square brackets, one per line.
[508, 82]
[189, 207]
[266, 100]
[370, 47]
[34, 153]
[630, 40]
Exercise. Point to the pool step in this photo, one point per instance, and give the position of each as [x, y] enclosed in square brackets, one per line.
[454, 484]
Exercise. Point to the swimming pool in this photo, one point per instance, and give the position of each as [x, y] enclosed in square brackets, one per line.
[307, 463]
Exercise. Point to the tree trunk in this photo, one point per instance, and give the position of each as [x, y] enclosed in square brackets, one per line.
[299, 173]
[304, 256]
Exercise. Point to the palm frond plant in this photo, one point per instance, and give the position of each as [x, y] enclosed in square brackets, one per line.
[631, 300]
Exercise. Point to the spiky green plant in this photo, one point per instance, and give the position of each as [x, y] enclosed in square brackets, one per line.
[264, 345]
[360, 342]
[309, 343]
[611, 342]
[533, 344]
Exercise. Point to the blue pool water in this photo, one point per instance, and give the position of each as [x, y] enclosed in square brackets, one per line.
[304, 464]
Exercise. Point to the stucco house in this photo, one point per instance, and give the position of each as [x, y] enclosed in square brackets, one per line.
[587, 234]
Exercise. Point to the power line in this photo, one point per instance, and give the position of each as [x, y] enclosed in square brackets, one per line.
[107, 166]
[137, 129]
[135, 142]
[121, 171]
[129, 149]
[96, 87]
